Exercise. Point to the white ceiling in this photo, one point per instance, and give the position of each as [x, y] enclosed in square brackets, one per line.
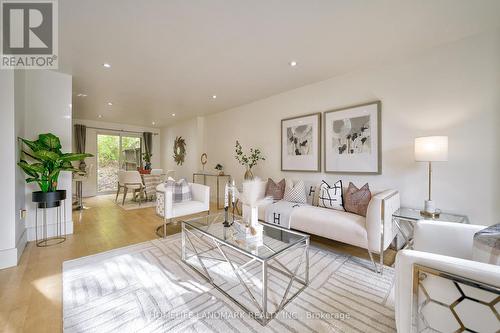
[171, 56]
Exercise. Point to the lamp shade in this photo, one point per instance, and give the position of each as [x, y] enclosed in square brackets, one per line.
[431, 149]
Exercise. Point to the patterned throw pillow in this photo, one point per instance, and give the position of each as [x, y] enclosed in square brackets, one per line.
[331, 196]
[356, 200]
[295, 192]
[275, 190]
[180, 190]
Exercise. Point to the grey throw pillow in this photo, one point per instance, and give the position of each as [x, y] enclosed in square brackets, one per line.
[181, 191]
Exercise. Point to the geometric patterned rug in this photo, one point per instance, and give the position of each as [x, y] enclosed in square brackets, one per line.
[146, 288]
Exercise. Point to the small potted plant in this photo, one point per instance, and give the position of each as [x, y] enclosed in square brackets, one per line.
[147, 159]
[220, 169]
[249, 161]
[47, 161]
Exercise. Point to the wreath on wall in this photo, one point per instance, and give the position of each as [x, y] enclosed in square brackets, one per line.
[179, 150]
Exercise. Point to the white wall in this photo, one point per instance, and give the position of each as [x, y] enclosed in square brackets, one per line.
[193, 133]
[8, 250]
[452, 90]
[90, 185]
[20, 185]
[48, 110]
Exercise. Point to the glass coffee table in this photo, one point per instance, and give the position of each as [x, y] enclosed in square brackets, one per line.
[261, 275]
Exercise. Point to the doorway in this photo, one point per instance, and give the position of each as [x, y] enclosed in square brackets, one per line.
[116, 152]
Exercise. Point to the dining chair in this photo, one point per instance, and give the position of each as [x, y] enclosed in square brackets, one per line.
[132, 181]
[121, 179]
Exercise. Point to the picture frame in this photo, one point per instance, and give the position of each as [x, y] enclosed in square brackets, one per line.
[301, 143]
[353, 139]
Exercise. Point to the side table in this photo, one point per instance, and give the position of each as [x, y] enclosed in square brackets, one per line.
[217, 176]
[411, 216]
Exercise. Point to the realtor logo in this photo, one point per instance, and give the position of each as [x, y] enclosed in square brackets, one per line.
[29, 34]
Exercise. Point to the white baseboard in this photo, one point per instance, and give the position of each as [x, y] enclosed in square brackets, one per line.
[51, 230]
[11, 257]
[21, 244]
[8, 258]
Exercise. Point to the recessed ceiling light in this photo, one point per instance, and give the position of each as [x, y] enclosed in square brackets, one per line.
[293, 63]
[214, 96]
[109, 103]
[106, 65]
[99, 116]
[81, 95]
[153, 123]
[173, 114]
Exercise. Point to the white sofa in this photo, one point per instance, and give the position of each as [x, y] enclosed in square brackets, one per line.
[168, 210]
[374, 232]
[444, 248]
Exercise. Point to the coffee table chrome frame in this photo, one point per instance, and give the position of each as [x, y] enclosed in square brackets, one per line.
[262, 316]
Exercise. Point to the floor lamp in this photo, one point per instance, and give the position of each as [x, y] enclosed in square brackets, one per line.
[431, 149]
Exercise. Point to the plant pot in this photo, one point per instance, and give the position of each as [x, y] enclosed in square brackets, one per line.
[248, 174]
[48, 199]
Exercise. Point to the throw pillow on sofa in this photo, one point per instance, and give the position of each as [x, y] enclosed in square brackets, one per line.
[295, 192]
[331, 196]
[356, 200]
[275, 190]
[181, 191]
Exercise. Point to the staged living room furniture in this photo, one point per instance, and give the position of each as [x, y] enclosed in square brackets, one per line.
[406, 218]
[374, 232]
[206, 241]
[225, 179]
[130, 180]
[168, 209]
[440, 288]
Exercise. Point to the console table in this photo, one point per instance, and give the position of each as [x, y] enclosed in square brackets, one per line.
[411, 216]
[217, 176]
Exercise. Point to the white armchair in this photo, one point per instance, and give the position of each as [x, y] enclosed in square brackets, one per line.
[168, 210]
[439, 287]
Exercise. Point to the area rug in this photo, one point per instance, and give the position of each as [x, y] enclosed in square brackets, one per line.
[146, 288]
[129, 203]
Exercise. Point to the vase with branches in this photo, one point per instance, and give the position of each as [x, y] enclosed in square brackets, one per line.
[250, 160]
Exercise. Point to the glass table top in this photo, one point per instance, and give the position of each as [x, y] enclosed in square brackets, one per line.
[414, 215]
[274, 241]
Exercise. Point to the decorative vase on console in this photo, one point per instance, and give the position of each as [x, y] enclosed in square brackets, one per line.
[248, 161]
[248, 174]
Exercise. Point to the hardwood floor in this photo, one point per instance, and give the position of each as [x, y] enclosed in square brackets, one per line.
[31, 293]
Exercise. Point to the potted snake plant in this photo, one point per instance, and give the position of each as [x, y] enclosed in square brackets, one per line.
[43, 163]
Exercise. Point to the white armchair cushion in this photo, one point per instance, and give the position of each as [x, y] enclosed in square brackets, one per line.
[166, 208]
[445, 238]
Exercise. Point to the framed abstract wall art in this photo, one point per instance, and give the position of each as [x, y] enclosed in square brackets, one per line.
[301, 143]
[353, 139]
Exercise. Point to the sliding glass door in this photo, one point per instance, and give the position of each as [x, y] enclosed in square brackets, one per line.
[116, 151]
